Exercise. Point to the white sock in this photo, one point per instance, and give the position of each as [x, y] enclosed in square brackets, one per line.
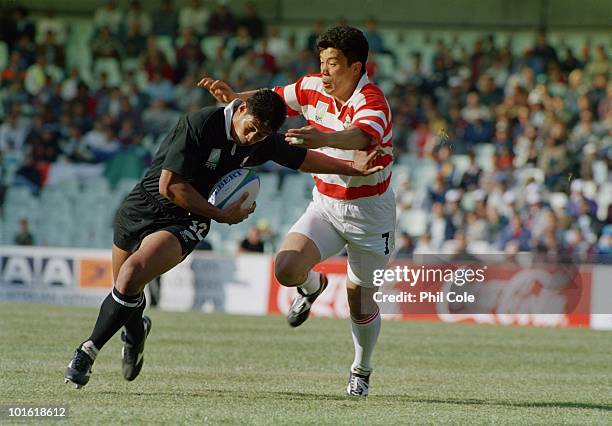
[365, 335]
[312, 283]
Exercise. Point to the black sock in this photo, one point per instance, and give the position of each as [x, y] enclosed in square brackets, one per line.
[134, 327]
[114, 313]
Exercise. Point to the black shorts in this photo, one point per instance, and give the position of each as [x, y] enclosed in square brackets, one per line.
[139, 216]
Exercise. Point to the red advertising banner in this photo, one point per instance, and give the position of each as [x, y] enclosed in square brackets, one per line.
[510, 294]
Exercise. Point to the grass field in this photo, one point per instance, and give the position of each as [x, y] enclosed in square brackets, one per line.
[229, 369]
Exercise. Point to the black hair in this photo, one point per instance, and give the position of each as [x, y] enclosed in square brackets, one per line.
[268, 108]
[350, 41]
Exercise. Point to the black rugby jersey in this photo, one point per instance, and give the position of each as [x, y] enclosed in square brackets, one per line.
[199, 151]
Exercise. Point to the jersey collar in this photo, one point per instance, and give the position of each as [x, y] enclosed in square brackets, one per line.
[362, 82]
[228, 112]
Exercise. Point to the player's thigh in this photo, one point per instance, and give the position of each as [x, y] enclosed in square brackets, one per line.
[119, 256]
[158, 253]
[313, 228]
[367, 254]
[309, 241]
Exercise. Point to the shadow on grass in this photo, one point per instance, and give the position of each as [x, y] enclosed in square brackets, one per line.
[299, 396]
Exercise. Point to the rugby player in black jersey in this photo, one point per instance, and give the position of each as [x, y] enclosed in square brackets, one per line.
[167, 213]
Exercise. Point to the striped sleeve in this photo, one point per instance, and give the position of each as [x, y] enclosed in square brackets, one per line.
[372, 115]
[291, 95]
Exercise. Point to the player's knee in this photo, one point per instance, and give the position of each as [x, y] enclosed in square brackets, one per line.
[286, 270]
[361, 303]
[128, 280]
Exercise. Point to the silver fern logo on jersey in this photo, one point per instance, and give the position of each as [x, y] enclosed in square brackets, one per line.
[213, 158]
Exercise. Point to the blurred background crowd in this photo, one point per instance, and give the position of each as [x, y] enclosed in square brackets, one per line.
[502, 145]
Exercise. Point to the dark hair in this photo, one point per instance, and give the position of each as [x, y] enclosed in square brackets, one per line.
[268, 108]
[350, 41]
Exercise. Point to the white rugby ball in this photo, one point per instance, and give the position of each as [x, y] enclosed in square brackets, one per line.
[231, 187]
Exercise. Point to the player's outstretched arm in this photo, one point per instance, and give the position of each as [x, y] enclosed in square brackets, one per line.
[317, 162]
[222, 91]
[183, 194]
[310, 137]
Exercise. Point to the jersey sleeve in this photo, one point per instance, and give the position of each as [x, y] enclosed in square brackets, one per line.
[372, 115]
[182, 155]
[291, 95]
[276, 149]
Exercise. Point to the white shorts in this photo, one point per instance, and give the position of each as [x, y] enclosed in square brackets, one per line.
[366, 227]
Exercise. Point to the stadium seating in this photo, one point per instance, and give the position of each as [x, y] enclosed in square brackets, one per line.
[282, 199]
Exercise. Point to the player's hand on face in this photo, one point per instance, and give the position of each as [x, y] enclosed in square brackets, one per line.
[218, 88]
[362, 162]
[234, 213]
[307, 137]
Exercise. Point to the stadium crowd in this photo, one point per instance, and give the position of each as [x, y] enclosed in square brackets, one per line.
[545, 114]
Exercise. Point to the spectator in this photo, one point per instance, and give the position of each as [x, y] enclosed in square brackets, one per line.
[13, 132]
[23, 24]
[160, 88]
[248, 71]
[239, 44]
[544, 51]
[165, 20]
[439, 227]
[471, 177]
[475, 228]
[106, 45]
[24, 237]
[221, 22]
[405, 247]
[28, 175]
[35, 76]
[570, 62]
[136, 15]
[553, 161]
[253, 22]
[15, 71]
[50, 23]
[189, 57]
[194, 17]
[108, 16]
[277, 45]
[72, 148]
[311, 42]
[51, 50]
[515, 231]
[252, 243]
[158, 119]
[603, 248]
[154, 61]
[45, 147]
[135, 41]
[188, 94]
[600, 65]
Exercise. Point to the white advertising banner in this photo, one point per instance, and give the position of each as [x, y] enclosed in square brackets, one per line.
[57, 276]
[213, 283]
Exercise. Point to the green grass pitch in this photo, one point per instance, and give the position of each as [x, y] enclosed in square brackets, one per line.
[222, 369]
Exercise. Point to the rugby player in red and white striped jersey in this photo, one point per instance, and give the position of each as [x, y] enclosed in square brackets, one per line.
[345, 114]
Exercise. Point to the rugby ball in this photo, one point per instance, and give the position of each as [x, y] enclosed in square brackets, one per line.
[231, 187]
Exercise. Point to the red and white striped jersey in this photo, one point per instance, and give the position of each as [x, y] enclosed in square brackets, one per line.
[367, 108]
